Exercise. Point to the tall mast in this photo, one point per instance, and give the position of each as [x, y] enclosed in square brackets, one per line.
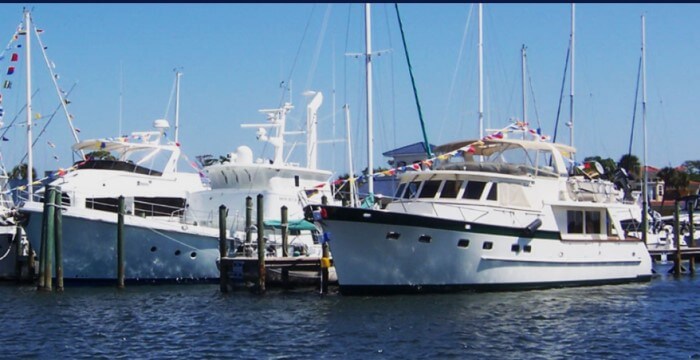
[27, 49]
[351, 183]
[177, 106]
[645, 205]
[481, 73]
[522, 53]
[571, 92]
[368, 66]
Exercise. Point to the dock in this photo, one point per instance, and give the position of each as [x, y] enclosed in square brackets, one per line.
[278, 271]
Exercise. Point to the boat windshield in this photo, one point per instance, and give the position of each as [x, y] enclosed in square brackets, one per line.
[537, 159]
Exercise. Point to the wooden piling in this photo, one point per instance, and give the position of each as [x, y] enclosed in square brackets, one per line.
[248, 220]
[120, 243]
[58, 238]
[677, 239]
[42, 246]
[690, 205]
[325, 258]
[50, 244]
[223, 251]
[284, 228]
[261, 246]
[17, 240]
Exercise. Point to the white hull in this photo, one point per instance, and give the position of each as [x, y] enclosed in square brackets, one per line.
[406, 264]
[154, 250]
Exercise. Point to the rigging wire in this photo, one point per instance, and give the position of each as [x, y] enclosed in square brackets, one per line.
[426, 144]
[296, 57]
[534, 101]
[634, 112]
[561, 94]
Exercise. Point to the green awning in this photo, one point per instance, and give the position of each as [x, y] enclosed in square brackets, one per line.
[300, 224]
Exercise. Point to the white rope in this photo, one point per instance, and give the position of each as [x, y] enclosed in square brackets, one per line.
[173, 239]
[7, 252]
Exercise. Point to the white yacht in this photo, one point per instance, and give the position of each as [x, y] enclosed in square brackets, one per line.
[159, 245]
[496, 213]
[282, 183]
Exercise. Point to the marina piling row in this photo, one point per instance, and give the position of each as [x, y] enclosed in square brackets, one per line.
[223, 268]
[120, 243]
[51, 241]
[261, 246]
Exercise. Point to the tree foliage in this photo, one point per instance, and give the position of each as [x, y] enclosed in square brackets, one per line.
[19, 172]
[630, 163]
[100, 155]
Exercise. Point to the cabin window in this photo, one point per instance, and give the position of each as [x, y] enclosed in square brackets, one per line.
[411, 190]
[102, 204]
[585, 222]
[474, 190]
[399, 191]
[463, 243]
[430, 188]
[487, 245]
[493, 193]
[450, 189]
[527, 248]
[574, 220]
[593, 222]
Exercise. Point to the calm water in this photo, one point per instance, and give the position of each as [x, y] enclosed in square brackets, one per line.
[660, 319]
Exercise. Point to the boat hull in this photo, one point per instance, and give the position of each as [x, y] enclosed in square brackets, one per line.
[154, 251]
[404, 253]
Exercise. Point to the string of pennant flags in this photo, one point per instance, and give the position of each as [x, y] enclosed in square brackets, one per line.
[518, 126]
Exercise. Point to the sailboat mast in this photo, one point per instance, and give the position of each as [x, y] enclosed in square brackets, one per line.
[27, 49]
[177, 106]
[351, 175]
[368, 82]
[645, 205]
[481, 73]
[522, 53]
[571, 92]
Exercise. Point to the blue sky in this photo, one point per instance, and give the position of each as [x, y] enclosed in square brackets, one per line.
[234, 57]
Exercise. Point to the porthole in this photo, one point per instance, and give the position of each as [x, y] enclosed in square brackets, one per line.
[463, 243]
[487, 245]
[193, 255]
[153, 249]
[177, 252]
[392, 235]
[425, 238]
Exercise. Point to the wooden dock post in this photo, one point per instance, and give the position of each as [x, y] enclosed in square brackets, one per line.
[690, 205]
[677, 239]
[58, 237]
[284, 228]
[17, 240]
[42, 246]
[325, 258]
[48, 267]
[261, 246]
[223, 251]
[248, 221]
[120, 243]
